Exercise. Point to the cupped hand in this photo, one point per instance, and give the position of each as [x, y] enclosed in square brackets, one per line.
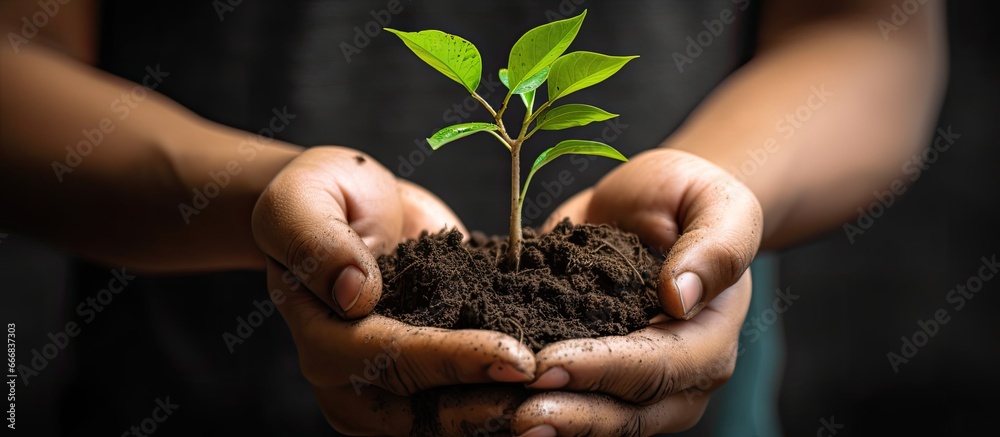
[321, 222]
[657, 379]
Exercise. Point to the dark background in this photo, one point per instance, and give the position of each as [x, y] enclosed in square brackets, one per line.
[857, 300]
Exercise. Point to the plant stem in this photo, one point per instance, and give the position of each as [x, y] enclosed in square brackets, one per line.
[528, 118]
[535, 114]
[485, 104]
[514, 242]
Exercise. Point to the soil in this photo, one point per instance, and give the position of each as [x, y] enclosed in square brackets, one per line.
[578, 281]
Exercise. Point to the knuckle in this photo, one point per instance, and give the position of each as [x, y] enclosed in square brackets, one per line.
[403, 376]
[659, 386]
[730, 260]
[654, 380]
[632, 423]
[640, 427]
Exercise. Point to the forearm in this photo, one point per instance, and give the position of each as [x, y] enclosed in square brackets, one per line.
[89, 165]
[825, 115]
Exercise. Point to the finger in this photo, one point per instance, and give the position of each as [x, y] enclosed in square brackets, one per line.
[711, 223]
[424, 357]
[721, 233]
[582, 414]
[575, 209]
[448, 411]
[476, 410]
[424, 211]
[646, 366]
[323, 216]
[386, 353]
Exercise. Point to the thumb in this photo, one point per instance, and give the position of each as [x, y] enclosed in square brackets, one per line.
[322, 217]
[711, 223]
[720, 234]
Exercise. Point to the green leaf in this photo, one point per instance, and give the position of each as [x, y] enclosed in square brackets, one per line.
[451, 55]
[578, 70]
[527, 88]
[539, 47]
[454, 132]
[529, 100]
[571, 147]
[530, 84]
[572, 115]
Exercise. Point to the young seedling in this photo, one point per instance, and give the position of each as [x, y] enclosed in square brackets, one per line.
[536, 58]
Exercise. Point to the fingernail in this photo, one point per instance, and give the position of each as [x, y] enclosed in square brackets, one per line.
[503, 372]
[554, 378]
[347, 288]
[540, 431]
[689, 286]
[659, 318]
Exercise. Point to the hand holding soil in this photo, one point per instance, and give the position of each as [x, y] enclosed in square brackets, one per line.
[455, 313]
[655, 380]
[576, 285]
[658, 379]
[707, 223]
[321, 223]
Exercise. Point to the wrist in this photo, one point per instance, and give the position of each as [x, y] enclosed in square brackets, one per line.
[221, 173]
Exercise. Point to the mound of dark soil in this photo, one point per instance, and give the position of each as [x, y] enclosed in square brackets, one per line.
[578, 281]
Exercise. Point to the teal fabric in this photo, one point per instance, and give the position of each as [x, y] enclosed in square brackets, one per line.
[748, 403]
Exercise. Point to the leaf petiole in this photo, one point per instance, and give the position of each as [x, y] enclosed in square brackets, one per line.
[499, 138]
[486, 105]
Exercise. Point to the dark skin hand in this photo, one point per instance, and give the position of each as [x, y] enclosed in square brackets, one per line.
[657, 379]
[325, 216]
[881, 93]
[364, 372]
[322, 221]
